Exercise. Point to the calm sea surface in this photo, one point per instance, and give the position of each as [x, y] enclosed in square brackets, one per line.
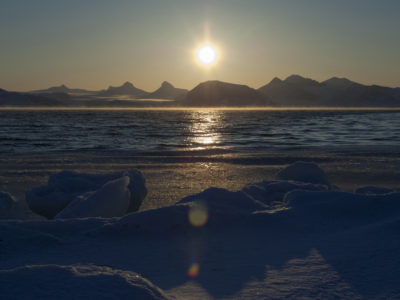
[213, 131]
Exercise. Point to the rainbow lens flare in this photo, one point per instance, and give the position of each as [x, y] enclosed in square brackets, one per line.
[193, 271]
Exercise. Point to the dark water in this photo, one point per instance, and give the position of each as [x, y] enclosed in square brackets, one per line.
[180, 131]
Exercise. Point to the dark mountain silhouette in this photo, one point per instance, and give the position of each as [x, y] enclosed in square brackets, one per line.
[336, 82]
[127, 89]
[293, 91]
[344, 92]
[62, 89]
[217, 93]
[16, 99]
[297, 80]
[166, 91]
[58, 96]
[335, 92]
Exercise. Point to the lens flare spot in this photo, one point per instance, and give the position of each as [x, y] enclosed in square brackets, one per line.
[198, 215]
[193, 271]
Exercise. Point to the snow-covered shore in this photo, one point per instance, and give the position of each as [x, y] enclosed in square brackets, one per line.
[271, 239]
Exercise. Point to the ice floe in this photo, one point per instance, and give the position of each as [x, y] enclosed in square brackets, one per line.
[112, 200]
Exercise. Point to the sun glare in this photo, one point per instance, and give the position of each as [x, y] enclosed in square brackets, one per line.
[207, 55]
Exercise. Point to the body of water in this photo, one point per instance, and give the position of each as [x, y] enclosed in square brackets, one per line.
[216, 131]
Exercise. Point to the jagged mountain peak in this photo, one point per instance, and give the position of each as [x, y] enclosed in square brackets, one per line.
[276, 80]
[166, 84]
[336, 81]
[299, 80]
[166, 91]
[127, 83]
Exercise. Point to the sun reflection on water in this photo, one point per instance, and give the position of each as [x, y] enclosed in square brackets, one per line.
[205, 129]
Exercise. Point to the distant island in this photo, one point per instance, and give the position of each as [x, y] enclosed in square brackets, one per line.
[294, 91]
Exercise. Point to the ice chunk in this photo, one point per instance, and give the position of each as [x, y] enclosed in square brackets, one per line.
[10, 208]
[112, 200]
[67, 186]
[76, 282]
[304, 172]
[373, 190]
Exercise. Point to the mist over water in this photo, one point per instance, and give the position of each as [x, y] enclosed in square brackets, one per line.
[213, 131]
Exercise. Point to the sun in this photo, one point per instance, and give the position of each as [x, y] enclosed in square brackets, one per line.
[207, 55]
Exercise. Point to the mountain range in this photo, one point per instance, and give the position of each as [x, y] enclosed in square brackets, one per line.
[127, 89]
[294, 91]
[335, 92]
[62, 89]
[27, 99]
[165, 91]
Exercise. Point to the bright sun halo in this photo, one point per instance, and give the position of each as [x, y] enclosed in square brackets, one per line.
[206, 55]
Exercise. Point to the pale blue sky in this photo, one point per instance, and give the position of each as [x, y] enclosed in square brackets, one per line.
[94, 43]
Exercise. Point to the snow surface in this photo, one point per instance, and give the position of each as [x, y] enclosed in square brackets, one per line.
[76, 282]
[66, 186]
[373, 190]
[10, 208]
[270, 240]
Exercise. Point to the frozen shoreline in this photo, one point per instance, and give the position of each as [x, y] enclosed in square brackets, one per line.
[170, 178]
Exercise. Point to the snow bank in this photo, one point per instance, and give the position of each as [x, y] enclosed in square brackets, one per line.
[304, 172]
[76, 282]
[341, 201]
[216, 207]
[66, 186]
[21, 236]
[10, 208]
[212, 206]
[335, 211]
[253, 197]
[112, 200]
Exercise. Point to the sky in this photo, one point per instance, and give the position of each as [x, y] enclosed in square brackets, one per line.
[96, 43]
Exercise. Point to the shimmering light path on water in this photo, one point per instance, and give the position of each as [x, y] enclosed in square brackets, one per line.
[161, 131]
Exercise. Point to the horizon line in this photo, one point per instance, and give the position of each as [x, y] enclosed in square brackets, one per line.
[189, 108]
[175, 86]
